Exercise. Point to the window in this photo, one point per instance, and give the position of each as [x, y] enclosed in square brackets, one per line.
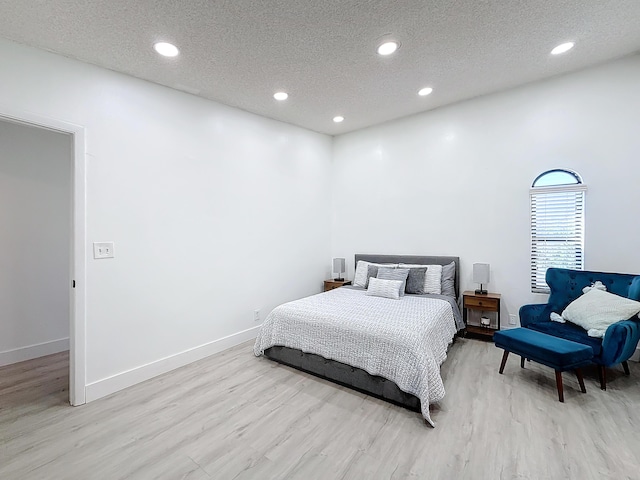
[557, 224]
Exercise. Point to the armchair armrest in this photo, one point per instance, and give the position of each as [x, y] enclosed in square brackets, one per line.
[620, 341]
[534, 313]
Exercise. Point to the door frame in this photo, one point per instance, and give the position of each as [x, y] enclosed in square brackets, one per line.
[78, 247]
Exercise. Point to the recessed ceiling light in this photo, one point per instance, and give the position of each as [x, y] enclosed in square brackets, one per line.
[281, 95]
[166, 49]
[338, 119]
[562, 48]
[387, 48]
[423, 92]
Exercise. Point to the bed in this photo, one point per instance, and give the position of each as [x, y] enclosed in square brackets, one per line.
[390, 349]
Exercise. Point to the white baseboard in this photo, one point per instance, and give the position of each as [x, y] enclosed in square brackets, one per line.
[33, 351]
[636, 356]
[120, 381]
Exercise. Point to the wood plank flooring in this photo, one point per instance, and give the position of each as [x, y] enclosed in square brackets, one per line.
[235, 416]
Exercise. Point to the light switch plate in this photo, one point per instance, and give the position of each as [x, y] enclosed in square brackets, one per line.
[102, 250]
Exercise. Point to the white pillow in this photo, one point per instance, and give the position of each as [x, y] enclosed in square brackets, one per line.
[596, 310]
[360, 277]
[385, 288]
[433, 278]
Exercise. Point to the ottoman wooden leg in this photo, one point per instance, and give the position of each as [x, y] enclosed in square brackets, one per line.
[581, 380]
[521, 362]
[559, 385]
[504, 360]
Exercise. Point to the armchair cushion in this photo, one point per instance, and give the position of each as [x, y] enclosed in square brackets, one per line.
[569, 331]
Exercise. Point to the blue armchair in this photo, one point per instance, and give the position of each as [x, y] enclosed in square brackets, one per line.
[620, 339]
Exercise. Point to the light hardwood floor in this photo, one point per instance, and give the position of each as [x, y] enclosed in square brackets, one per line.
[235, 416]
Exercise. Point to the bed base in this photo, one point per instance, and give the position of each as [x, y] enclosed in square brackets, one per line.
[345, 375]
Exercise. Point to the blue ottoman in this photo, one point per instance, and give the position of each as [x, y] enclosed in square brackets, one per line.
[554, 352]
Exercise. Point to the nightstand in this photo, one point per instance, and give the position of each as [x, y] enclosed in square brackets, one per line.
[331, 284]
[475, 306]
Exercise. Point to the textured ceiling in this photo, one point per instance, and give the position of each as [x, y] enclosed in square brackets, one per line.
[322, 52]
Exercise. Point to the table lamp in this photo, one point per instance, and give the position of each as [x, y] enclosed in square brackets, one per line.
[481, 276]
[339, 268]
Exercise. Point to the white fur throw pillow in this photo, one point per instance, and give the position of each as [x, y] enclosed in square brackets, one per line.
[598, 284]
[385, 288]
[596, 310]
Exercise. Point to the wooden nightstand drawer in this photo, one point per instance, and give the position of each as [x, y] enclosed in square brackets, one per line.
[481, 303]
[331, 284]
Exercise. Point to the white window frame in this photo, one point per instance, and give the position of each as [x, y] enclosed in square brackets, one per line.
[540, 242]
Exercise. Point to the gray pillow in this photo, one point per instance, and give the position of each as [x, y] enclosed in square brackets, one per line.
[372, 271]
[448, 280]
[394, 274]
[415, 280]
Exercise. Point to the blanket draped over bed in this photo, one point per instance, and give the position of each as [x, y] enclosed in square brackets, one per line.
[404, 340]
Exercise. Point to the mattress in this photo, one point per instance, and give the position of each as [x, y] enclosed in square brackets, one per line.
[404, 340]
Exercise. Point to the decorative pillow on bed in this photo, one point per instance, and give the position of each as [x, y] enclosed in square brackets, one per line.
[432, 279]
[384, 288]
[401, 274]
[360, 277]
[448, 283]
[372, 271]
[415, 280]
[596, 310]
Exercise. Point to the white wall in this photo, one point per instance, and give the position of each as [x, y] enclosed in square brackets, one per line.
[214, 211]
[35, 232]
[455, 181]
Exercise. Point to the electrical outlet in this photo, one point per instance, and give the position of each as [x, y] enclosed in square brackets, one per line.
[103, 250]
[513, 320]
[256, 315]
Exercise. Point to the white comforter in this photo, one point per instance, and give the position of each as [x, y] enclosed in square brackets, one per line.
[404, 340]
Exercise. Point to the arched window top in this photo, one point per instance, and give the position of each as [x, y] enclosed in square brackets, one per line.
[557, 177]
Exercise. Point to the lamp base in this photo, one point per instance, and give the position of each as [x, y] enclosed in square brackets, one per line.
[481, 291]
[338, 279]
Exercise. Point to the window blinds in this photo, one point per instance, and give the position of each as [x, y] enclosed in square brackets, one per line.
[557, 231]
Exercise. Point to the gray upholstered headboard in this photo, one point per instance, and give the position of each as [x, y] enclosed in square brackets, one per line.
[417, 259]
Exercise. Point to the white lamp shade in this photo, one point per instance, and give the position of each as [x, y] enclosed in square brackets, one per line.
[339, 265]
[481, 273]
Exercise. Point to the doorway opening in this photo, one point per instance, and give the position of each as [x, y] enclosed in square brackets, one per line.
[43, 243]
